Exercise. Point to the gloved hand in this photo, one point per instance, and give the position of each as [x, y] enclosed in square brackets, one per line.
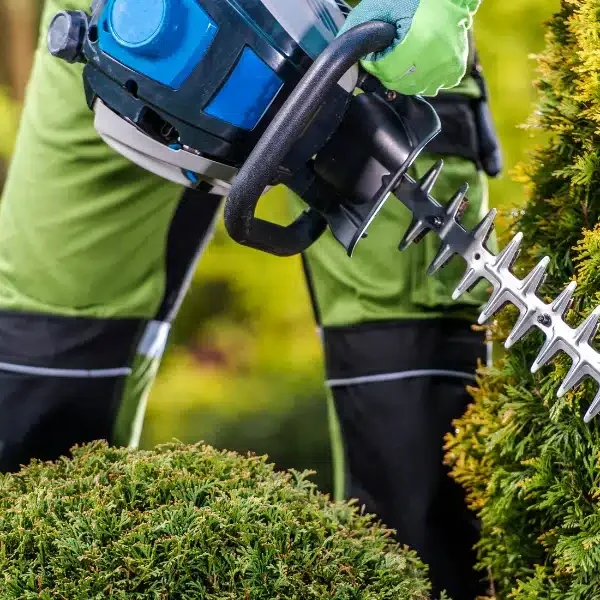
[431, 48]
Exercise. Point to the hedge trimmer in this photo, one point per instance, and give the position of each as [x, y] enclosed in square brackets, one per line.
[235, 96]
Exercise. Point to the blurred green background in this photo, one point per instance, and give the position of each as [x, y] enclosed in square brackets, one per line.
[244, 368]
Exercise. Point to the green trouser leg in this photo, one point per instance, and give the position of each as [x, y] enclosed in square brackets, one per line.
[337, 450]
[399, 353]
[130, 418]
[90, 265]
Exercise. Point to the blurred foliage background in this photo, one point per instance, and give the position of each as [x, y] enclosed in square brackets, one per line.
[244, 368]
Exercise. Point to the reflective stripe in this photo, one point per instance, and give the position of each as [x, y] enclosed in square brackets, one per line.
[383, 377]
[67, 373]
[154, 340]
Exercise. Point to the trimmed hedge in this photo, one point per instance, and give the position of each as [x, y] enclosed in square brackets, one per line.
[189, 522]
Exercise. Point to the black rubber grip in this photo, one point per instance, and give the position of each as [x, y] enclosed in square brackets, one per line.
[260, 169]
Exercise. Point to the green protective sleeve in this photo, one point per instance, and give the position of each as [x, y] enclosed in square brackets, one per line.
[83, 231]
[431, 48]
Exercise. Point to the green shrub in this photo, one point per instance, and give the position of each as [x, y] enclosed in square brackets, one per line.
[528, 461]
[189, 522]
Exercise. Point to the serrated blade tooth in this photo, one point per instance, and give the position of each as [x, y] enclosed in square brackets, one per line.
[483, 230]
[441, 258]
[525, 323]
[495, 303]
[549, 349]
[587, 330]
[456, 201]
[576, 373]
[428, 180]
[415, 231]
[510, 252]
[536, 277]
[594, 409]
[561, 305]
[470, 278]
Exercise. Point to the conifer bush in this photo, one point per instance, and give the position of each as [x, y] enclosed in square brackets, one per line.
[530, 464]
[189, 523]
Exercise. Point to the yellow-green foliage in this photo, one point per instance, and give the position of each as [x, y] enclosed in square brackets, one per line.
[529, 463]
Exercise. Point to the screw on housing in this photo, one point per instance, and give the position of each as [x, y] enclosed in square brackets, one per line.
[429, 215]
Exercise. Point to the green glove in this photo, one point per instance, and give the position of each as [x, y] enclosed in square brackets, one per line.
[431, 47]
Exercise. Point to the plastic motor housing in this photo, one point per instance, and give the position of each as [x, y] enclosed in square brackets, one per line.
[186, 88]
[234, 96]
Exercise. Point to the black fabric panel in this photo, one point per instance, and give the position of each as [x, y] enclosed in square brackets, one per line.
[44, 417]
[393, 435]
[458, 136]
[58, 342]
[374, 348]
[188, 233]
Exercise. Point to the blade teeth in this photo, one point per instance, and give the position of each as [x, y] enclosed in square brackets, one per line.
[594, 408]
[456, 202]
[536, 277]
[428, 180]
[509, 254]
[470, 278]
[561, 305]
[576, 373]
[549, 349]
[472, 245]
[523, 326]
[587, 330]
[441, 258]
[414, 232]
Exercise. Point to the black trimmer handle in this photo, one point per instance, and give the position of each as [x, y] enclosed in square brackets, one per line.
[260, 170]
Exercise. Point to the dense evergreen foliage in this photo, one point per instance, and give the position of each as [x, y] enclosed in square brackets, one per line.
[189, 523]
[530, 464]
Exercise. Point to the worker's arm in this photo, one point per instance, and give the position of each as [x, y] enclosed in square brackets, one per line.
[431, 47]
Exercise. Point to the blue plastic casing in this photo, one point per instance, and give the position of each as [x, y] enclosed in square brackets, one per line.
[208, 75]
[161, 39]
[247, 93]
[165, 40]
